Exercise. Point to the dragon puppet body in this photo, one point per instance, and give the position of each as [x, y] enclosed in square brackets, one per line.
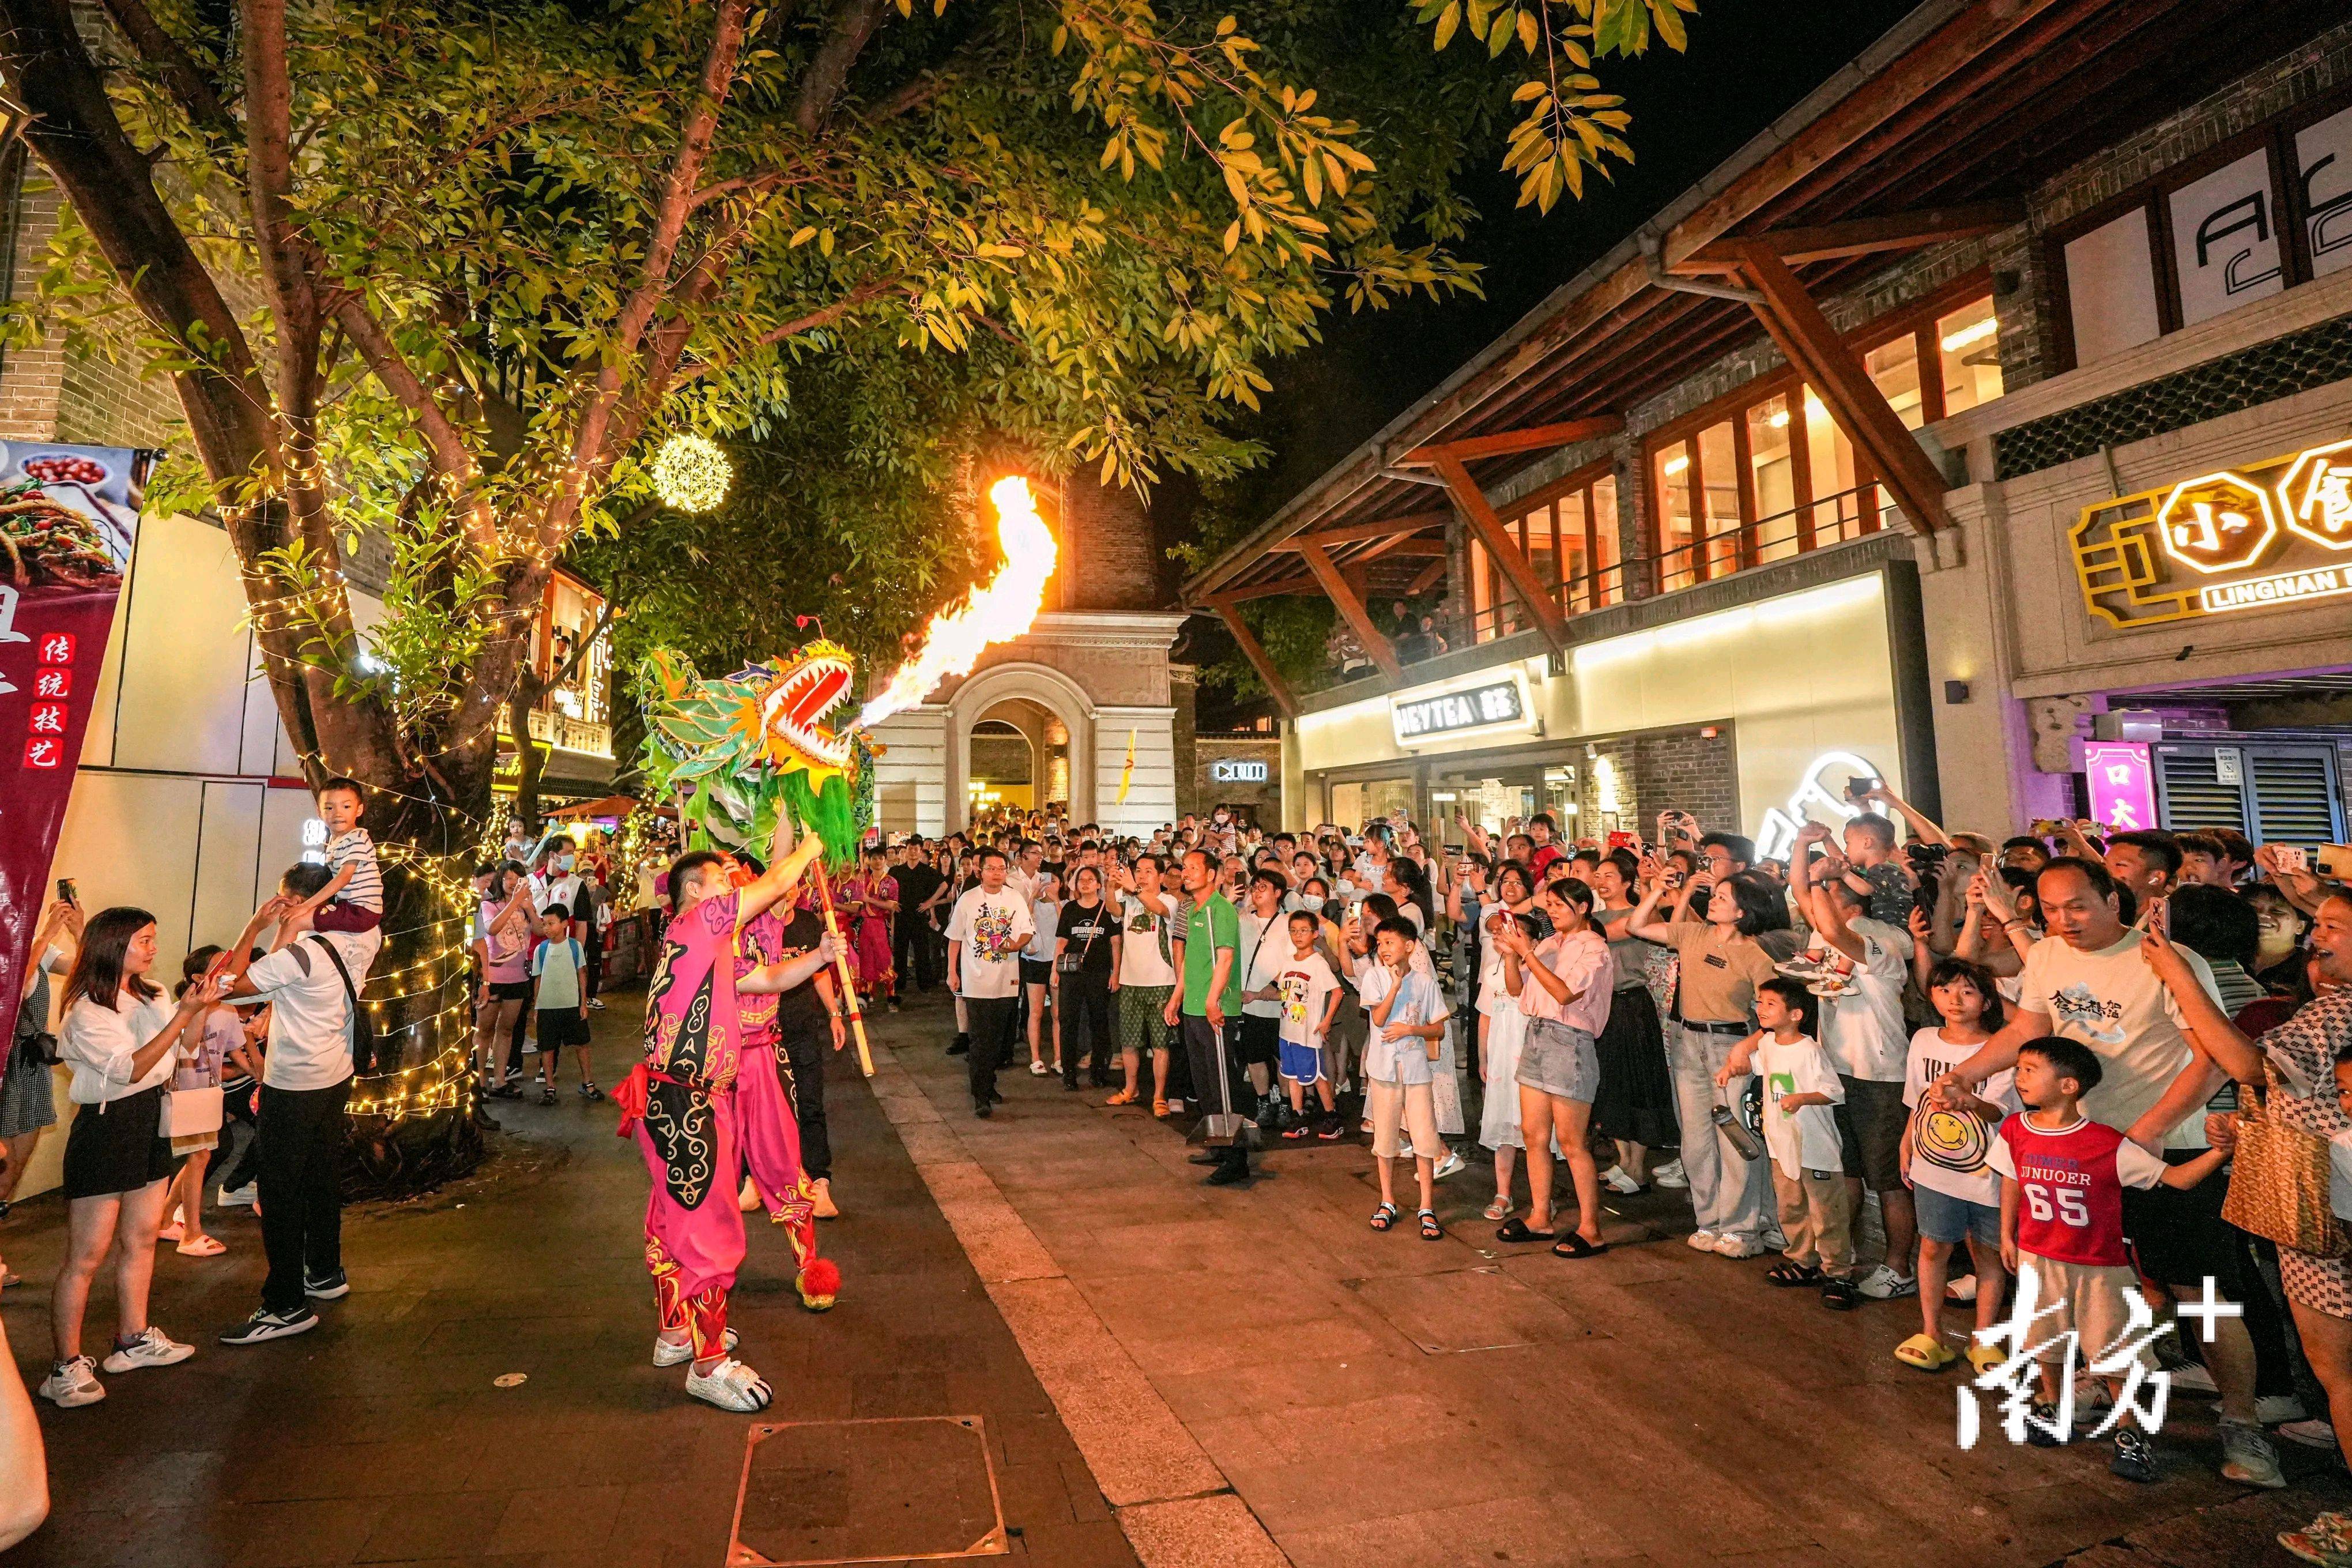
[734, 752]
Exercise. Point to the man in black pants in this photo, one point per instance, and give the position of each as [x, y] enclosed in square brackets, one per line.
[910, 945]
[306, 1079]
[803, 1029]
[986, 935]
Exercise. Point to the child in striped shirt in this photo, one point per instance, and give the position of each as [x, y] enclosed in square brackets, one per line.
[352, 900]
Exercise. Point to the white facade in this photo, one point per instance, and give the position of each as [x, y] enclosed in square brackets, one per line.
[1103, 674]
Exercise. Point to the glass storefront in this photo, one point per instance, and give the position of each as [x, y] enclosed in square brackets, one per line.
[1359, 801]
[1489, 794]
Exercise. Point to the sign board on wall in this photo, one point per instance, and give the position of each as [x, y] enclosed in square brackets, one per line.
[74, 513]
[2271, 533]
[1236, 770]
[1490, 704]
[2123, 784]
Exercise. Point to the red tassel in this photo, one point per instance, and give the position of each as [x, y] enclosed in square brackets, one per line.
[820, 1284]
[629, 1097]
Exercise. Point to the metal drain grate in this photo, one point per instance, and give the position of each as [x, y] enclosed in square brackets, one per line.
[890, 1490]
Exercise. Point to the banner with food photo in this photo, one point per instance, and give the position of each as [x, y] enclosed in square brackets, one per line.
[68, 518]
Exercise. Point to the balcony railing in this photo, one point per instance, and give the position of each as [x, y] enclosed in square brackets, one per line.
[569, 734]
[1592, 591]
[1830, 519]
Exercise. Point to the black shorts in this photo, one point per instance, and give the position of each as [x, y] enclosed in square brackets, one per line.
[1870, 1133]
[560, 1026]
[2179, 1237]
[1037, 971]
[118, 1147]
[1260, 1040]
[509, 990]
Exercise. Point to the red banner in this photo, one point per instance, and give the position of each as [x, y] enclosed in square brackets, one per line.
[67, 518]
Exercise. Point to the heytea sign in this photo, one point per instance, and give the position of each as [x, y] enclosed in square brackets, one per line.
[1491, 705]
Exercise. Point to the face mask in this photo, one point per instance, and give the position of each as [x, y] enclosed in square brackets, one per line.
[1309, 901]
[564, 862]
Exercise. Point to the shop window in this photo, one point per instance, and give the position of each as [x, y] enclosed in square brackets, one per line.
[1772, 478]
[1895, 367]
[1357, 802]
[1671, 490]
[1717, 484]
[1569, 533]
[1608, 578]
[1968, 344]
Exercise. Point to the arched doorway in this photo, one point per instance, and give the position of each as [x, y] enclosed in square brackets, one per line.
[1025, 735]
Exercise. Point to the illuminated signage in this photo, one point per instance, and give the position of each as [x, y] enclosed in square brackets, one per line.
[1822, 789]
[1489, 706]
[314, 841]
[1233, 769]
[2123, 784]
[2243, 538]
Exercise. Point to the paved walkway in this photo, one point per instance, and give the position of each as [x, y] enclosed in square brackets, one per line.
[382, 1437]
[1166, 1374]
[1378, 1399]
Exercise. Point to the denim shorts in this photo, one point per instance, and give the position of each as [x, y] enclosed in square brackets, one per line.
[1950, 1220]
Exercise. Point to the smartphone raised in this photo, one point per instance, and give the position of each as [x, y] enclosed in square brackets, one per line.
[66, 891]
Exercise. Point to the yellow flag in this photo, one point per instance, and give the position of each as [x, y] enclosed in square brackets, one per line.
[1126, 774]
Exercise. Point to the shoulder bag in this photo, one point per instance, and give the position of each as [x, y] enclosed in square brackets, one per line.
[2278, 1179]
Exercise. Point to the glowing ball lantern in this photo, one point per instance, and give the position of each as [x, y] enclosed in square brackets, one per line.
[691, 474]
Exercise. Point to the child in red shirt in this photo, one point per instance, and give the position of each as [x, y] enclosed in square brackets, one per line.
[2061, 1209]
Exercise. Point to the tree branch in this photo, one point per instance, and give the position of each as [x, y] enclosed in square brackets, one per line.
[824, 316]
[284, 266]
[188, 86]
[451, 457]
[845, 36]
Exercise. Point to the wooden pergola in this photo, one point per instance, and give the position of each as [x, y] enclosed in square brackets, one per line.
[1944, 129]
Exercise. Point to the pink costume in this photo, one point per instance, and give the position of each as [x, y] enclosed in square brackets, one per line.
[871, 931]
[697, 1118]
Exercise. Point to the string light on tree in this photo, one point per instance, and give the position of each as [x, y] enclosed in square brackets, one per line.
[691, 473]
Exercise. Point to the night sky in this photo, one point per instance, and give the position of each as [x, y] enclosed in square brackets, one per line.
[1749, 62]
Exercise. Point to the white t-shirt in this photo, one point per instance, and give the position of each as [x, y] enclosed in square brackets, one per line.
[310, 1021]
[992, 930]
[1305, 984]
[1140, 961]
[2112, 1001]
[1931, 1057]
[1264, 952]
[98, 1042]
[1807, 1140]
[568, 890]
[1865, 1034]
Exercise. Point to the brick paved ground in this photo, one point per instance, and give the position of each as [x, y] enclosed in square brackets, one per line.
[1235, 1378]
[381, 1437]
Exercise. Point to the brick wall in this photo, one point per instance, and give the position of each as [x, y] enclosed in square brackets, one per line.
[1264, 799]
[51, 393]
[1678, 768]
[1109, 559]
[1183, 683]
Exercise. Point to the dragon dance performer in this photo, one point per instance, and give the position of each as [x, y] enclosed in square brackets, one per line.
[704, 1104]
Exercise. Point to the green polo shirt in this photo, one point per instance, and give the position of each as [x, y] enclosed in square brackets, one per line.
[1207, 927]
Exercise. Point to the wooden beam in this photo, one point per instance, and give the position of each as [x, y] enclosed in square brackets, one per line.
[1398, 544]
[1541, 607]
[1351, 605]
[1859, 236]
[1835, 372]
[1254, 651]
[1269, 590]
[1413, 522]
[1429, 573]
[1533, 439]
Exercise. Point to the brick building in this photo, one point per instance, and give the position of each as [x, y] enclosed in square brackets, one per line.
[1983, 426]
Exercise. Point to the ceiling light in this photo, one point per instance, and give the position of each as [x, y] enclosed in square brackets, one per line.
[1973, 334]
[1676, 464]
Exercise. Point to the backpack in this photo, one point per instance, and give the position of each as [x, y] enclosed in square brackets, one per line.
[363, 1027]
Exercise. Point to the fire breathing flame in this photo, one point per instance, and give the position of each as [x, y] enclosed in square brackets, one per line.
[1002, 610]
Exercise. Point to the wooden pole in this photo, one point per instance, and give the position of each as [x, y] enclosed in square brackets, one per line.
[842, 974]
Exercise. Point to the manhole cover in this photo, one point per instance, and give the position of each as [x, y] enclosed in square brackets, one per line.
[892, 1489]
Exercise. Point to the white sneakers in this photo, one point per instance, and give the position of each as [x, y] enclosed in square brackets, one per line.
[731, 1385]
[668, 1355]
[1882, 1284]
[1452, 1165]
[235, 1197]
[153, 1347]
[74, 1383]
[1670, 1174]
[1039, 1069]
[2279, 1409]
[1739, 1247]
[1702, 1240]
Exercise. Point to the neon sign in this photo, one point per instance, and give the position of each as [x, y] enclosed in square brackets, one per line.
[1233, 769]
[1489, 705]
[2123, 784]
[1776, 835]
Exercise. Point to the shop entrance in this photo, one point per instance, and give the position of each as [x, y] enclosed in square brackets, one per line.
[1019, 758]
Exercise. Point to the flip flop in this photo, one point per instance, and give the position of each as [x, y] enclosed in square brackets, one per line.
[1925, 1352]
[1574, 1245]
[202, 1246]
[1515, 1231]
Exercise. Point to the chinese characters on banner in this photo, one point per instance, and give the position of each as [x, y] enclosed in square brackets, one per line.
[70, 516]
[2123, 784]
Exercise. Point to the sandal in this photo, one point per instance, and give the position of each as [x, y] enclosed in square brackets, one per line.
[1574, 1245]
[202, 1247]
[1384, 1217]
[1840, 1296]
[1500, 1208]
[1298, 1131]
[1159, 1107]
[1982, 1358]
[1124, 1097]
[1515, 1231]
[547, 1095]
[1925, 1352]
[1789, 1276]
[1430, 1229]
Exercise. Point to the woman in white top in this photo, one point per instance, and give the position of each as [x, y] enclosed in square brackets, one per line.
[121, 1035]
